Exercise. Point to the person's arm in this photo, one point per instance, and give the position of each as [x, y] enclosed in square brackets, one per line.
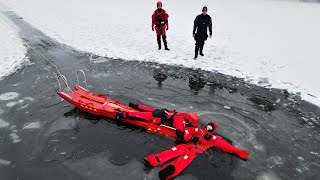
[210, 26]
[153, 21]
[226, 147]
[181, 132]
[166, 19]
[195, 24]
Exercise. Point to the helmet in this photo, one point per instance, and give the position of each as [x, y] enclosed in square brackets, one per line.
[214, 126]
[194, 118]
[159, 3]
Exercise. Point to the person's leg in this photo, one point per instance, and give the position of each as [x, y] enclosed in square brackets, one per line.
[201, 46]
[141, 107]
[197, 46]
[164, 156]
[143, 116]
[175, 167]
[164, 38]
[158, 31]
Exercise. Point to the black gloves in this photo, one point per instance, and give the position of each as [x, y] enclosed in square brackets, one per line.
[207, 137]
[152, 29]
[194, 140]
[167, 28]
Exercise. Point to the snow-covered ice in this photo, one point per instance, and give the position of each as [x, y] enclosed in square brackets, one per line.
[12, 51]
[270, 43]
[3, 123]
[4, 162]
[32, 125]
[14, 137]
[8, 96]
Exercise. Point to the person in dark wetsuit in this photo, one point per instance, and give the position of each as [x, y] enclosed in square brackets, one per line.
[160, 23]
[201, 24]
[177, 120]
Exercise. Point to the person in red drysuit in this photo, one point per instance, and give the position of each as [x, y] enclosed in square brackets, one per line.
[185, 153]
[178, 120]
[160, 23]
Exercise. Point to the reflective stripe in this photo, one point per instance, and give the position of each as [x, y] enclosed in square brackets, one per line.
[196, 129]
[214, 137]
[185, 157]
[174, 149]
[187, 132]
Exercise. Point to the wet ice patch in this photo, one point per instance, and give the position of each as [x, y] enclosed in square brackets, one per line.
[267, 176]
[4, 162]
[32, 125]
[15, 138]
[8, 96]
[61, 124]
[274, 161]
[3, 123]
[100, 166]
[245, 130]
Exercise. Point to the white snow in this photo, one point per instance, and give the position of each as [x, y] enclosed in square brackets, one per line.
[270, 43]
[8, 96]
[12, 50]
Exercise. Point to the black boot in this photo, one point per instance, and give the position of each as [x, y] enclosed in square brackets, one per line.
[133, 105]
[196, 52]
[119, 116]
[165, 43]
[159, 42]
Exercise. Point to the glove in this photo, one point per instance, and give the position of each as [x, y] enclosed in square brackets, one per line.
[152, 29]
[207, 137]
[194, 140]
[243, 154]
[167, 28]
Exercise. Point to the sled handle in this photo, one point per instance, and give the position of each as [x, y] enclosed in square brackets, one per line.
[64, 79]
[85, 79]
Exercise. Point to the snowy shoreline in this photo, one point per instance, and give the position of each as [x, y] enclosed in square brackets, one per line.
[12, 51]
[272, 50]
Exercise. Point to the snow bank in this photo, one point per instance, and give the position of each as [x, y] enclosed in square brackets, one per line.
[12, 50]
[270, 43]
